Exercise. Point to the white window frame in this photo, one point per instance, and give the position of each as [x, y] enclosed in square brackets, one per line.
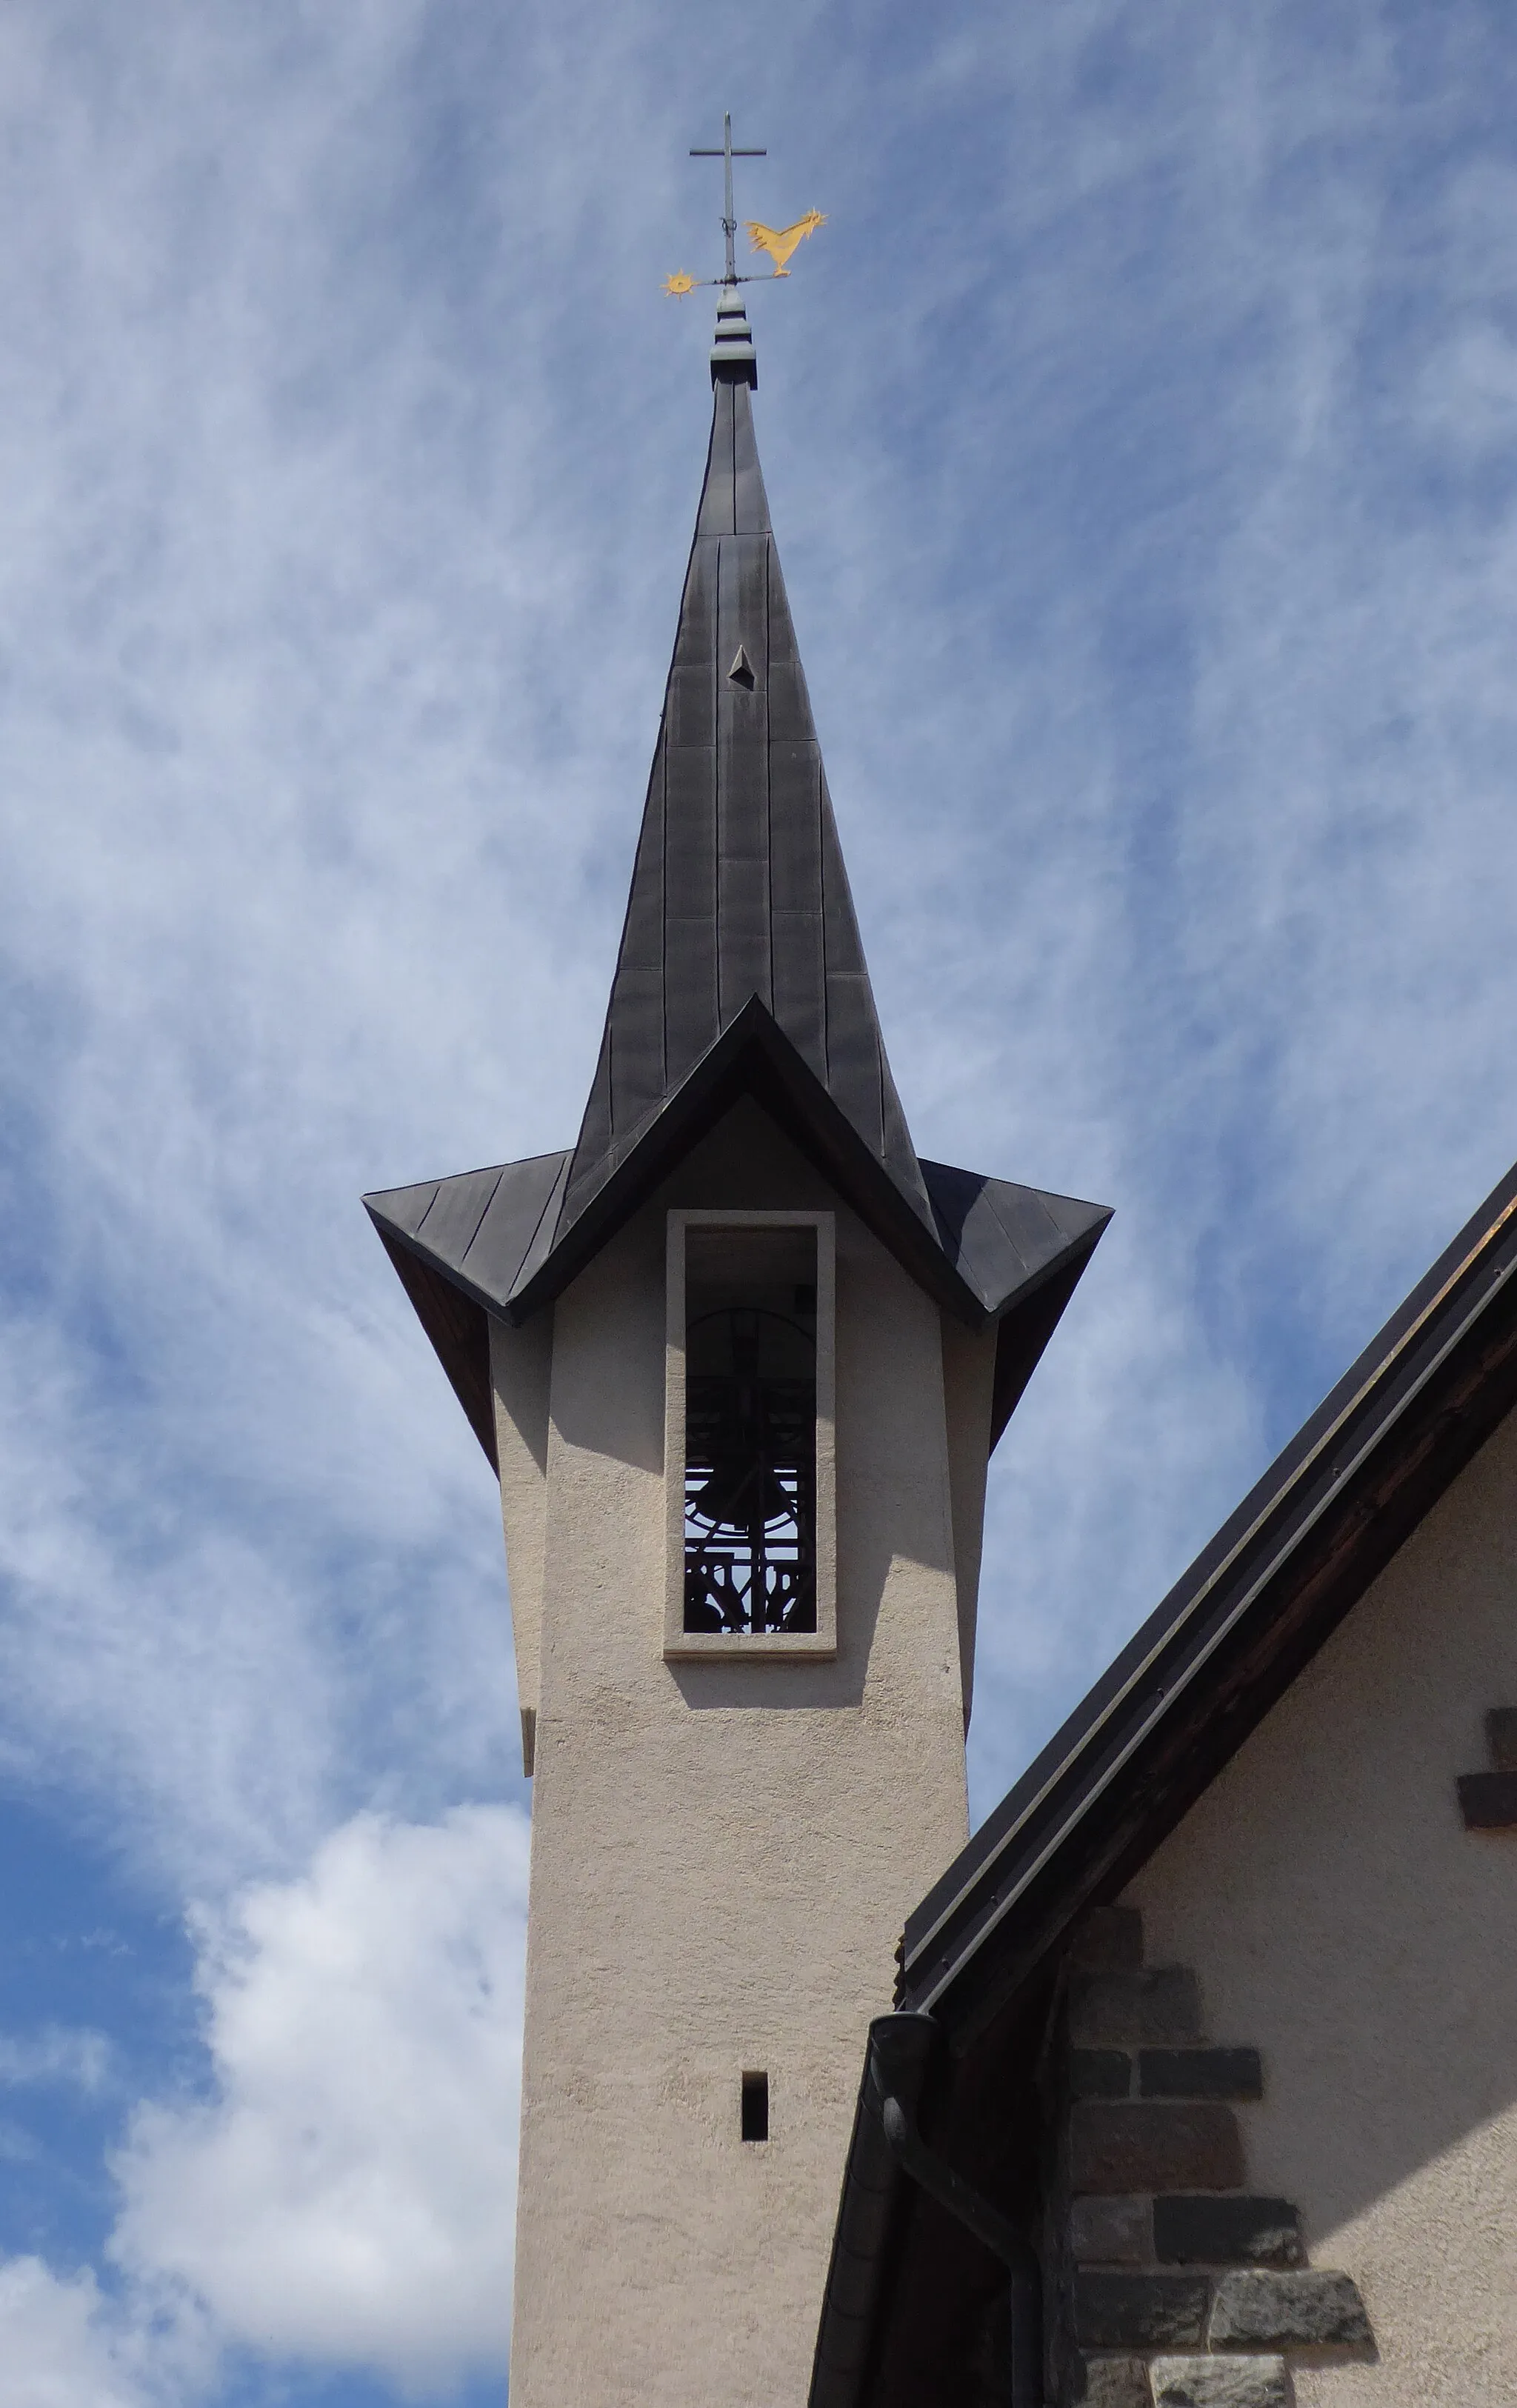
[751, 1647]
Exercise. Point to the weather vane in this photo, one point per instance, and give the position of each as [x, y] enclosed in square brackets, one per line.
[777, 243]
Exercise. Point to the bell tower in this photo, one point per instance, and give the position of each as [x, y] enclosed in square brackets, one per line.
[738, 1358]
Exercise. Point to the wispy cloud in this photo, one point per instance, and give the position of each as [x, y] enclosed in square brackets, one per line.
[79, 2060]
[338, 2186]
[68, 2346]
[346, 2192]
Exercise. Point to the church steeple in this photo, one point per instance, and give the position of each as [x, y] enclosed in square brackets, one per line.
[738, 892]
[741, 971]
[739, 1357]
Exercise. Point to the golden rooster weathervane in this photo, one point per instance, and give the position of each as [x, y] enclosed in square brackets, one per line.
[778, 242]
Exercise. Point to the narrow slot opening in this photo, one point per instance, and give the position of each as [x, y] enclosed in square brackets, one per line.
[755, 2107]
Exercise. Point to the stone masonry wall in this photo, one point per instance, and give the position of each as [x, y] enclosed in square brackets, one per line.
[1171, 2285]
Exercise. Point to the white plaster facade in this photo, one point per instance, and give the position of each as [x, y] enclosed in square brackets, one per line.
[1342, 1919]
[723, 1852]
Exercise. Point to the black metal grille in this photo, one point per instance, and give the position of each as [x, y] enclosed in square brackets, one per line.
[749, 1472]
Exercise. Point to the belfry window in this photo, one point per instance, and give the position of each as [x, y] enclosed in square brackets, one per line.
[750, 1341]
[749, 1478]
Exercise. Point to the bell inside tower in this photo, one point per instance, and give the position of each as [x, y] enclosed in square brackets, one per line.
[750, 1409]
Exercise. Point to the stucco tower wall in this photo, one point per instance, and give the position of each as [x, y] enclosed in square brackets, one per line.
[723, 1852]
[1341, 1917]
[521, 1368]
[968, 1389]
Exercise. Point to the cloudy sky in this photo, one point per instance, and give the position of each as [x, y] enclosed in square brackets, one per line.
[1140, 439]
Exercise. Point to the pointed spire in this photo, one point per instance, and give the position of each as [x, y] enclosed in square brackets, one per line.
[741, 971]
[738, 890]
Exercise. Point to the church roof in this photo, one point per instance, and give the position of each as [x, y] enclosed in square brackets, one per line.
[741, 971]
[1164, 1719]
[1236, 1630]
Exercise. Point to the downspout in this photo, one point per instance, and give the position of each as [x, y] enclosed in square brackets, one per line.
[990, 2227]
[894, 2067]
[885, 2146]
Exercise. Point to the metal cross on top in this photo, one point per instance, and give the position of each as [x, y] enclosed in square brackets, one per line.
[729, 224]
[778, 242]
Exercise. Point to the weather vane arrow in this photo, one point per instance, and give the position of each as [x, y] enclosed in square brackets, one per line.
[779, 242]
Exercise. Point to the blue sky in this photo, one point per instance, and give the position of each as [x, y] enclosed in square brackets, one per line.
[1139, 433]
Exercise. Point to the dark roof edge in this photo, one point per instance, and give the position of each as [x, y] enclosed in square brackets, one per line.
[414, 1242]
[1027, 1322]
[398, 1243]
[458, 1329]
[1250, 1552]
[753, 1055]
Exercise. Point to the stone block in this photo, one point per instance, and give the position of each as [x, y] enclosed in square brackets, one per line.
[1488, 1801]
[1100, 2073]
[1501, 1738]
[1154, 2147]
[1236, 2231]
[1140, 2311]
[1220, 2382]
[1115, 2383]
[1162, 2006]
[1111, 2231]
[1199, 2073]
[1304, 2311]
[1110, 1940]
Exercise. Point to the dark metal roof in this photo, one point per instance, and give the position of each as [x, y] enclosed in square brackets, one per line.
[486, 1233]
[740, 972]
[485, 1230]
[738, 889]
[1175, 1707]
